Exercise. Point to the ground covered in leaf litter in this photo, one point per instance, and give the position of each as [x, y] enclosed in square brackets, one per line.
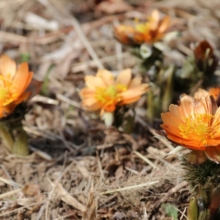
[79, 169]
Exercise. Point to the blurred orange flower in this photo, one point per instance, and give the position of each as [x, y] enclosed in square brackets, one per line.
[203, 51]
[149, 32]
[195, 125]
[16, 85]
[126, 34]
[103, 92]
[205, 57]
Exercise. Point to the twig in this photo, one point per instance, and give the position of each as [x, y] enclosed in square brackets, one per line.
[172, 191]
[129, 188]
[67, 18]
[161, 139]
[146, 160]
[10, 193]
[69, 101]
[86, 43]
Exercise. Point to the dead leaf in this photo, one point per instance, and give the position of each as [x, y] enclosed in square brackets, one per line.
[113, 6]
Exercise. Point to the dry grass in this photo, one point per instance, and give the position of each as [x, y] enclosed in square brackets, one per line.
[79, 169]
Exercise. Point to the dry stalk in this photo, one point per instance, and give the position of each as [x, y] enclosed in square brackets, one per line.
[129, 188]
[146, 160]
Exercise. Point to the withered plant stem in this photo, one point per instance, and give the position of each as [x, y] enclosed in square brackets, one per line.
[21, 143]
[6, 137]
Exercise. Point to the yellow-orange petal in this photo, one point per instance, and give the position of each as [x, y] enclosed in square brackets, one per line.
[191, 144]
[6, 110]
[124, 34]
[87, 93]
[200, 93]
[172, 121]
[109, 107]
[216, 119]
[106, 76]
[215, 92]
[124, 77]
[135, 82]
[93, 82]
[164, 24]
[91, 104]
[186, 107]
[154, 19]
[7, 66]
[213, 153]
[131, 100]
[23, 97]
[134, 92]
[21, 80]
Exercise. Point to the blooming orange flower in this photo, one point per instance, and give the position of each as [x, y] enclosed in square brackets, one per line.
[195, 125]
[104, 93]
[149, 32]
[16, 85]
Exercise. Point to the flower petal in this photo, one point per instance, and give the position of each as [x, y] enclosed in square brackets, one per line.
[86, 93]
[21, 79]
[131, 100]
[200, 93]
[134, 92]
[135, 82]
[93, 82]
[124, 77]
[6, 110]
[106, 76]
[7, 66]
[213, 153]
[164, 24]
[154, 19]
[91, 104]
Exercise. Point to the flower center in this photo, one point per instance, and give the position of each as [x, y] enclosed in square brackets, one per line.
[5, 90]
[197, 128]
[143, 28]
[110, 95]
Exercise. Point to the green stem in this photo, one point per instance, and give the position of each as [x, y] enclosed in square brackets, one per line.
[153, 106]
[192, 209]
[21, 143]
[6, 137]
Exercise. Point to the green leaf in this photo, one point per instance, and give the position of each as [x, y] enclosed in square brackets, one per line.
[44, 88]
[170, 210]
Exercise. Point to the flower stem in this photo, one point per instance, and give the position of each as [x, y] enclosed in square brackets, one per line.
[21, 143]
[6, 137]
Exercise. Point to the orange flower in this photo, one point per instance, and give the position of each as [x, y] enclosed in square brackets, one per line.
[151, 31]
[195, 125]
[105, 93]
[15, 85]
